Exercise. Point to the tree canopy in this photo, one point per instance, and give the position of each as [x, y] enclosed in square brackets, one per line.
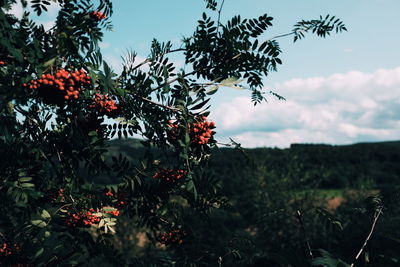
[60, 102]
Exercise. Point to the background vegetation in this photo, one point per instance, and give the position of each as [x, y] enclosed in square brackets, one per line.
[71, 197]
[336, 189]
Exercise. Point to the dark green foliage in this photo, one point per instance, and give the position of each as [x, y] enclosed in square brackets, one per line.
[257, 225]
[63, 187]
[322, 27]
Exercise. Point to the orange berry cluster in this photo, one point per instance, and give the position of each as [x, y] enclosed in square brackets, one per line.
[104, 104]
[82, 218]
[169, 175]
[201, 131]
[2, 63]
[119, 198]
[113, 212]
[174, 237]
[97, 15]
[58, 196]
[108, 193]
[7, 250]
[173, 130]
[63, 84]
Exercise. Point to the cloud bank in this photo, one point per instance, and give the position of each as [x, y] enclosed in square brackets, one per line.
[339, 109]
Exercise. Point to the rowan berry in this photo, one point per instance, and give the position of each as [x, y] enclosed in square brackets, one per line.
[173, 237]
[103, 104]
[169, 175]
[97, 15]
[201, 131]
[53, 87]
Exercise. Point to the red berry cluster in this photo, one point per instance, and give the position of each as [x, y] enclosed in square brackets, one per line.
[113, 212]
[173, 131]
[169, 175]
[119, 198]
[57, 196]
[63, 84]
[108, 193]
[97, 15]
[7, 250]
[2, 63]
[81, 218]
[201, 131]
[104, 104]
[173, 237]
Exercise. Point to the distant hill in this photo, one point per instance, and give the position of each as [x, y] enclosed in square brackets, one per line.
[362, 165]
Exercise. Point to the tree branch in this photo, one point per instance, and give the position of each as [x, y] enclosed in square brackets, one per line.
[147, 60]
[298, 216]
[376, 217]
[156, 103]
[173, 80]
[219, 14]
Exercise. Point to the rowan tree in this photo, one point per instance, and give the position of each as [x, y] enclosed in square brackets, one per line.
[60, 103]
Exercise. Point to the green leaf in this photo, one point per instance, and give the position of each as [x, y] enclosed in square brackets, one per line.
[38, 253]
[45, 214]
[229, 81]
[39, 223]
[49, 62]
[213, 89]
[27, 185]
[25, 179]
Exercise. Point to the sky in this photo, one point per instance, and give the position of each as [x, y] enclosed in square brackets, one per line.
[340, 90]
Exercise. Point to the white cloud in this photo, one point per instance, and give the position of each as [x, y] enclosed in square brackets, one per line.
[104, 45]
[47, 18]
[342, 108]
[52, 9]
[17, 10]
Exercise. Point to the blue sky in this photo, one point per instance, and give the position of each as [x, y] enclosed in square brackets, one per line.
[339, 90]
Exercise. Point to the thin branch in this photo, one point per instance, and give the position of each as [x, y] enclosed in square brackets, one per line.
[299, 217]
[173, 80]
[147, 60]
[376, 217]
[221, 258]
[219, 14]
[156, 103]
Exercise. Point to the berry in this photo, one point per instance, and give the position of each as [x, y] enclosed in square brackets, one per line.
[81, 219]
[104, 104]
[201, 131]
[168, 175]
[62, 85]
[173, 237]
[98, 16]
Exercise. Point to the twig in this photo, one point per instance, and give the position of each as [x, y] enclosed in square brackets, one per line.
[173, 80]
[219, 14]
[376, 217]
[298, 216]
[220, 259]
[156, 103]
[147, 60]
